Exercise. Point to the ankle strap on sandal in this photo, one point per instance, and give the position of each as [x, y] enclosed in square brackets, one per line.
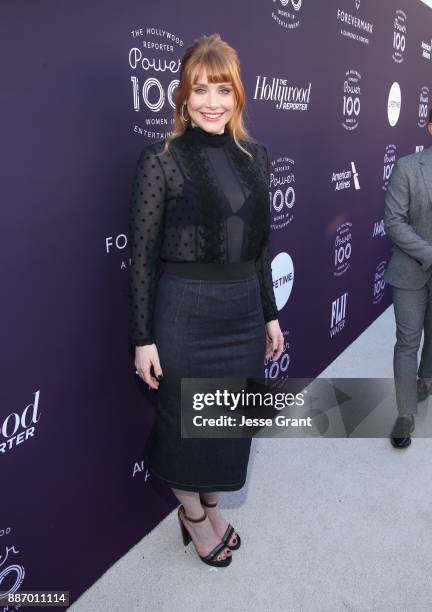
[193, 520]
[209, 504]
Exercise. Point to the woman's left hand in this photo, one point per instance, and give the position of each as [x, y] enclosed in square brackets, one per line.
[275, 340]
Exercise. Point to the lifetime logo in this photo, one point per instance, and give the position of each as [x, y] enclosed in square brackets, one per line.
[283, 280]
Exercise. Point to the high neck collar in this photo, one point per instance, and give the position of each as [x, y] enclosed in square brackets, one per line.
[200, 135]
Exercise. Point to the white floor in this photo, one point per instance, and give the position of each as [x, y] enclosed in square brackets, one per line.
[327, 525]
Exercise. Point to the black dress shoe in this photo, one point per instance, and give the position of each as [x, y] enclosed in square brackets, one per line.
[422, 390]
[400, 435]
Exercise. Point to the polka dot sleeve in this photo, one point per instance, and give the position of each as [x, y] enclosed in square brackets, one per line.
[263, 261]
[146, 216]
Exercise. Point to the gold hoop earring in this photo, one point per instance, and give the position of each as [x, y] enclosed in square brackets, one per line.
[181, 113]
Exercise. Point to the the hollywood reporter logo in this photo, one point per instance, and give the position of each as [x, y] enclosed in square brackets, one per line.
[342, 248]
[279, 368]
[17, 428]
[351, 99]
[423, 106]
[153, 84]
[287, 13]
[399, 36]
[10, 571]
[389, 162]
[296, 4]
[282, 192]
[379, 283]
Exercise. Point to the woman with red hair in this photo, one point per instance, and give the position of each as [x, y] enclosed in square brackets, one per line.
[201, 294]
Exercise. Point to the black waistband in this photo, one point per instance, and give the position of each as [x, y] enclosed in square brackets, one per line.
[210, 271]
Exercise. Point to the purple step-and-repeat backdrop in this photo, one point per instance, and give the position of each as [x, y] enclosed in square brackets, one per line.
[337, 91]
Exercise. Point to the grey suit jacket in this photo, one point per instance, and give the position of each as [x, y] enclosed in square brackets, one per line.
[408, 220]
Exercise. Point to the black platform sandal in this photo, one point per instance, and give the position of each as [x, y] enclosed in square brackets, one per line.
[229, 530]
[210, 559]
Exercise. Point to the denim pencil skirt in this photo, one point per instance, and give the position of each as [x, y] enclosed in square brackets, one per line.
[208, 322]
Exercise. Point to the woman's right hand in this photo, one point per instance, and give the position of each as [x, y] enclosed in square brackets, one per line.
[145, 357]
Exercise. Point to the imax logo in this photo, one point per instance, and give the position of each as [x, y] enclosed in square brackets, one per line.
[378, 229]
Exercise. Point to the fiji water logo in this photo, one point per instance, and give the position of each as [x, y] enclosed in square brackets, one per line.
[338, 314]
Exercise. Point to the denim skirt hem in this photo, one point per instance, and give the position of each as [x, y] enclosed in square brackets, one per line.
[208, 488]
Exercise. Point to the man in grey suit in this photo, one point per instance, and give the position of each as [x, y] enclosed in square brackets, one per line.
[408, 224]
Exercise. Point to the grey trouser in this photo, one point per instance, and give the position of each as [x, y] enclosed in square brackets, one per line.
[413, 314]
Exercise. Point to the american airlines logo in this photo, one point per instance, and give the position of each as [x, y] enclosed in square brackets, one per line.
[346, 179]
[426, 48]
[338, 314]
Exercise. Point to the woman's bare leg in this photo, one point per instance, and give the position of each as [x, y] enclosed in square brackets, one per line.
[203, 534]
[217, 520]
